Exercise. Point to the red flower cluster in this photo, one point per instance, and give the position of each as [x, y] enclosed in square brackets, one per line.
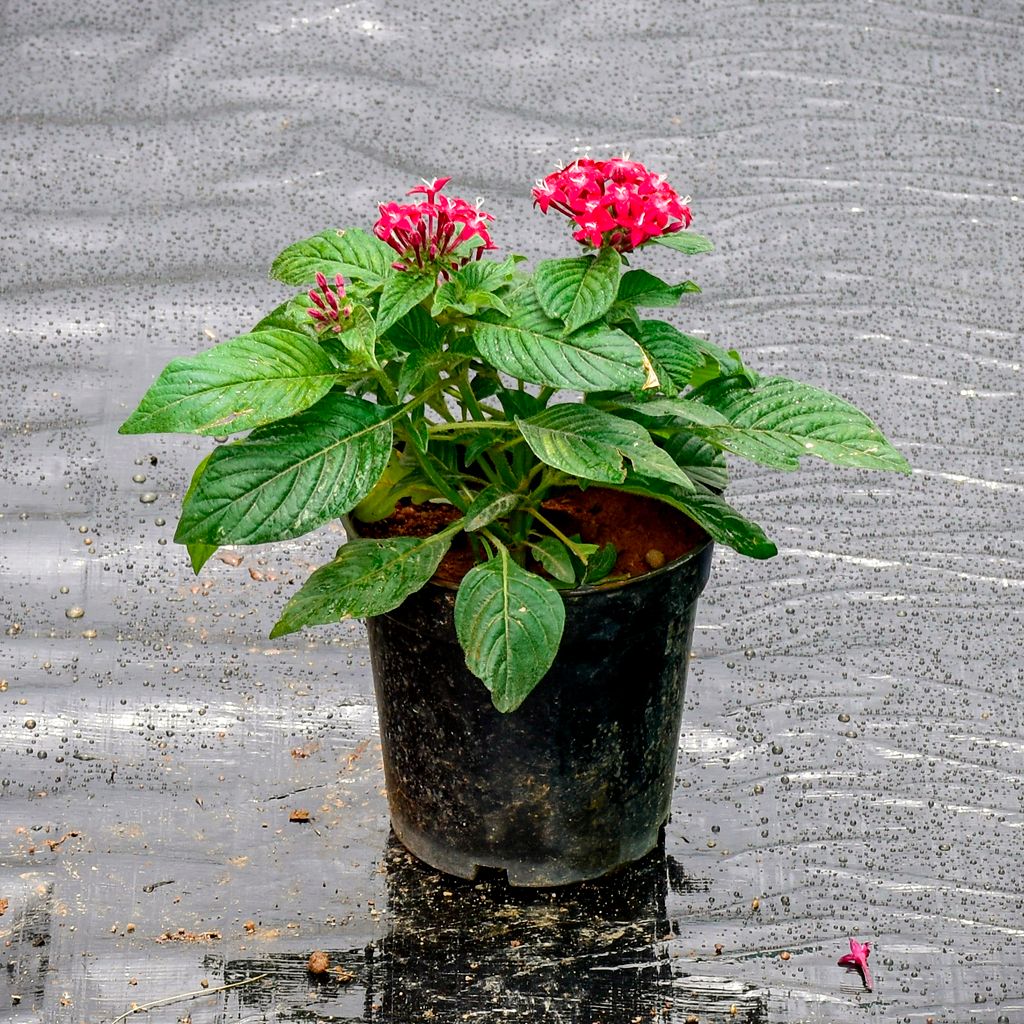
[618, 203]
[429, 231]
[327, 309]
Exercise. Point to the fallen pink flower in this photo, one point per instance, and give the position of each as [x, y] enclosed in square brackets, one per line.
[858, 958]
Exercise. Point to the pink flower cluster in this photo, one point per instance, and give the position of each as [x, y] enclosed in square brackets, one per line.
[328, 309]
[428, 232]
[618, 203]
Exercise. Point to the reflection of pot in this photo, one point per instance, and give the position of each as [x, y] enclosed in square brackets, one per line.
[455, 950]
[574, 783]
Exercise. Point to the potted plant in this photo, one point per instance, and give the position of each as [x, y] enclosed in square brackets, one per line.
[532, 475]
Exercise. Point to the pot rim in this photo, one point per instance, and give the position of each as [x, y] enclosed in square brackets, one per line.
[618, 584]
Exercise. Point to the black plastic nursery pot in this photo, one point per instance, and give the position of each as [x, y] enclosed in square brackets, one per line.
[578, 780]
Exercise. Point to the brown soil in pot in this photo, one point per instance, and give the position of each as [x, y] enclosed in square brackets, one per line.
[647, 533]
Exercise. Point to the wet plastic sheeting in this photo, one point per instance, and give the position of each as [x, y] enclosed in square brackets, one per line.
[852, 757]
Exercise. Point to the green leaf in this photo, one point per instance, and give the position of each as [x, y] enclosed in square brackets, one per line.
[490, 504]
[198, 554]
[719, 363]
[556, 559]
[292, 315]
[415, 331]
[359, 336]
[688, 242]
[368, 577]
[662, 410]
[401, 479]
[352, 253]
[719, 519]
[624, 316]
[417, 365]
[676, 356]
[472, 287]
[641, 288]
[240, 384]
[700, 461]
[401, 293]
[600, 564]
[530, 346]
[509, 623]
[290, 477]
[588, 443]
[780, 420]
[580, 290]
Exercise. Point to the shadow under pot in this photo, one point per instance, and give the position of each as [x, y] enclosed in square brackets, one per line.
[574, 783]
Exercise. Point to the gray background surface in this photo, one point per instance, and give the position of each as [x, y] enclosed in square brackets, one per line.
[859, 167]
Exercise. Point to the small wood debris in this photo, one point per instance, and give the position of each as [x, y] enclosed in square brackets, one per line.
[4, 904]
[181, 935]
[54, 843]
[300, 815]
[250, 927]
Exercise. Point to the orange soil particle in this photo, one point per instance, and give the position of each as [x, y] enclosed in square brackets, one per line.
[645, 532]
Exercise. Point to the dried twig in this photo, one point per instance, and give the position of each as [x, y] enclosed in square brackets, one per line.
[142, 1007]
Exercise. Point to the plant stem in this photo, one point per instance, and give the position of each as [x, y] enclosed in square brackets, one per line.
[459, 425]
[390, 391]
[430, 472]
[466, 395]
[571, 545]
[187, 995]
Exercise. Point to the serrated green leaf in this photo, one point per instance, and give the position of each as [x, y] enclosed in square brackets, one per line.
[490, 504]
[239, 384]
[351, 253]
[198, 554]
[688, 242]
[368, 577]
[290, 477]
[676, 356]
[509, 623]
[655, 410]
[719, 519]
[471, 288]
[581, 441]
[780, 420]
[556, 559]
[641, 288]
[588, 443]
[415, 331]
[401, 293]
[580, 290]
[700, 461]
[530, 346]
[624, 316]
